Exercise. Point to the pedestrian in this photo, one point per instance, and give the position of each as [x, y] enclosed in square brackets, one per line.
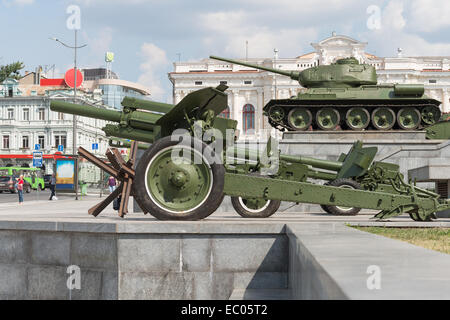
[52, 187]
[20, 189]
[112, 184]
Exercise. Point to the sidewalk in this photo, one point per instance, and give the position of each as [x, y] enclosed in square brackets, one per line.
[77, 211]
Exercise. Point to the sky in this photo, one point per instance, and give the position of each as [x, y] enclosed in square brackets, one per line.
[148, 36]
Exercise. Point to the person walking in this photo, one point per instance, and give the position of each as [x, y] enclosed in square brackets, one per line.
[53, 187]
[112, 184]
[20, 189]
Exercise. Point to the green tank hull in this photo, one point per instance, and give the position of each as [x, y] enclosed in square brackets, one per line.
[345, 96]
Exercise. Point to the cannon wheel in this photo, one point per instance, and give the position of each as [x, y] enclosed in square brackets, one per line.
[343, 211]
[255, 207]
[170, 186]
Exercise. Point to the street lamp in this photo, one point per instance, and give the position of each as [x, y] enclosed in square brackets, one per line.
[74, 138]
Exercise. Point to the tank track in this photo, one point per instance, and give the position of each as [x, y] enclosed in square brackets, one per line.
[343, 107]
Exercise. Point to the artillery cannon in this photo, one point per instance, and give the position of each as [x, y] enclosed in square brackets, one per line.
[193, 163]
[345, 95]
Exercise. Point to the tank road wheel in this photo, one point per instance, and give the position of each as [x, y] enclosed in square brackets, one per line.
[170, 186]
[357, 118]
[383, 118]
[328, 118]
[408, 118]
[255, 207]
[277, 114]
[431, 115]
[343, 211]
[300, 119]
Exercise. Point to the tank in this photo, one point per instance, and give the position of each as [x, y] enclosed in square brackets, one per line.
[345, 96]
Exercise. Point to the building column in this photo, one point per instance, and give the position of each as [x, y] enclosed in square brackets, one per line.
[235, 115]
[177, 97]
[445, 101]
[259, 110]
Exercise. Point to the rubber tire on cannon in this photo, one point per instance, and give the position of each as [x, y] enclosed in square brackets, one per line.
[341, 211]
[177, 188]
[258, 208]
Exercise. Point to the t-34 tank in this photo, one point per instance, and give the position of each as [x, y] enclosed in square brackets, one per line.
[345, 95]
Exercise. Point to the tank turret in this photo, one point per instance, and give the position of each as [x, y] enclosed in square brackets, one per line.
[345, 95]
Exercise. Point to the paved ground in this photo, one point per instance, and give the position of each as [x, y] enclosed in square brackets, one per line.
[67, 209]
[7, 197]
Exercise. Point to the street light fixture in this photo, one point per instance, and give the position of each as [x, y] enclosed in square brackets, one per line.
[275, 57]
[74, 138]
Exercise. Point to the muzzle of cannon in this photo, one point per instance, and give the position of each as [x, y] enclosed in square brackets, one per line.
[132, 124]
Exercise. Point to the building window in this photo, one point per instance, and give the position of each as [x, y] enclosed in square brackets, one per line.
[60, 141]
[41, 114]
[432, 81]
[26, 114]
[60, 116]
[25, 142]
[225, 113]
[248, 114]
[5, 142]
[41, 141]
[247, 82]
[224, 82]
[198, 83]
[10, 114]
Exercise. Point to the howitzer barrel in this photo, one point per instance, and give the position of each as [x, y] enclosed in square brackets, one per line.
[292, 74]
[148, 105]
[135, 119]
[120, 143]
[241, 153]
[316, 163]
[85, 111]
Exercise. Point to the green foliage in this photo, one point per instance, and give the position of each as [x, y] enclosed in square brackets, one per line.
[11, 70]
[437, 239]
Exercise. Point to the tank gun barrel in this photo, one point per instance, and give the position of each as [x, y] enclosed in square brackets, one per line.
[294, 75]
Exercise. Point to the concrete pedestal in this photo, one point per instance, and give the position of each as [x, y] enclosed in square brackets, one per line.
[287, 256]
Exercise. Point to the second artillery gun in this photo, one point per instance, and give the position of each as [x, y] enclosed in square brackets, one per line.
[192, 163]
[346, 95]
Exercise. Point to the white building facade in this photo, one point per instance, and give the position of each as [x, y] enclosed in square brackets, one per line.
[26, 118]
[250, 90]
[27, 121]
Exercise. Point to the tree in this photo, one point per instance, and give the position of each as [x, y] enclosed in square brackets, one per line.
[11, 71]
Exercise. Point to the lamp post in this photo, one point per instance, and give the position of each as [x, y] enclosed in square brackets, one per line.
[275, 57]
[74, 138]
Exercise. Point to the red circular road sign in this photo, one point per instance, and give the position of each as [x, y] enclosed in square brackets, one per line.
[70, 78]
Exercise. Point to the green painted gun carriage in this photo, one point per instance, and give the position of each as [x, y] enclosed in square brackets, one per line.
[193, 162]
